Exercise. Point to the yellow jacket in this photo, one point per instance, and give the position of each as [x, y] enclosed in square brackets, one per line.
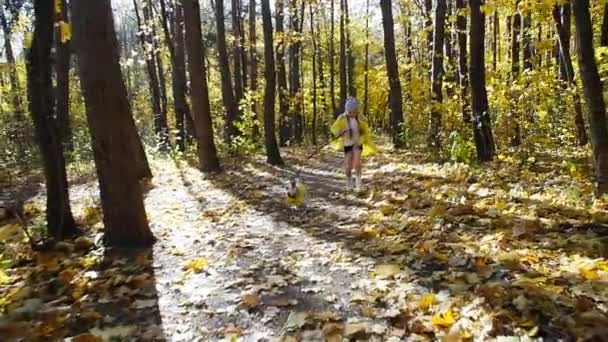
[369, 148]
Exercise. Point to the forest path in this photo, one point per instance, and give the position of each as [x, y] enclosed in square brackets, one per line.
[428, 251]
[266, 260]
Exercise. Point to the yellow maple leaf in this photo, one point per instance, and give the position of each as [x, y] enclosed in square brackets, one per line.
[427, 301]
[387, 270]
[196, 265]
[444, 319]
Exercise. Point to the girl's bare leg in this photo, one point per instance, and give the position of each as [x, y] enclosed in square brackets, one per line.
[356, 163]
[348, 167]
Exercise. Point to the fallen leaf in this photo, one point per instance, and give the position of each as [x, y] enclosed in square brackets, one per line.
[384, 271]
[444, 319]
[195, 265]
[427, 301]
[250, 300]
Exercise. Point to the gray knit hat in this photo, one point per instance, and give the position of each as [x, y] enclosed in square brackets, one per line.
[351, 104]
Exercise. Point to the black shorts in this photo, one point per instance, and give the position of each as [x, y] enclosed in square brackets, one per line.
[350, 149]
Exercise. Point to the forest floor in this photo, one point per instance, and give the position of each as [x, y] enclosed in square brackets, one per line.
[506, 251]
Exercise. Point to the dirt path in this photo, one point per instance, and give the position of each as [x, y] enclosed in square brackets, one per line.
[266, 259]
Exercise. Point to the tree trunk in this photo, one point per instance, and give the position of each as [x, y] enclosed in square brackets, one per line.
[593, 90]
[162, 83]
[60, 222]
[461, 28]
[392, 70]
[366, 76]
[313, 129]
[428, 24]
[350, 58]
[232, 112]
[13, 77]
[294, 71]
[495, 40]
[110, 124]
[604, 35]
[515, 60]
[566, 60]
[332, 61]
[272, 150]
[285, 123]
[62, 72]
[199, 93]
[565, 19]
[527, 41]
[437, 75]
[253, 58]
[482, 129]
[237, 51]
[147, 45]
[178, 70]
[343, 60]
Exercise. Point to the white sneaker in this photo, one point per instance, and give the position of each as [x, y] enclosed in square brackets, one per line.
[358, 183]
[349, 184]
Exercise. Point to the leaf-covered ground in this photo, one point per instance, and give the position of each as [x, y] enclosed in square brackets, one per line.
[509, 251]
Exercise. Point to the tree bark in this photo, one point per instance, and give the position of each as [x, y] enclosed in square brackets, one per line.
[566, 60]
[350, 57]
[294, 71]
[527, 41]
[285, 123]
[147, 45]
[313, 129]
[392, 70]
[253, 58]
[604, 35]
[495, 40]
[565, 19]
[332, 61]
[60, 222]
[199, 93]
[437, 75]
[237, 51]
[463, 78]
[343, 60]
[366, 76]
[175, 44]
[482, 129]
[13, 77]
[62, 72]
[515, 67]
[110, 124]
[273, 155]
[593, 90]
[232, 112]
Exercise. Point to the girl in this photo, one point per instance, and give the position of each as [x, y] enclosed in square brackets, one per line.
[354, 137]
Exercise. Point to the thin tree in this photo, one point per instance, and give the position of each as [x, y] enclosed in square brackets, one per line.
[482, 129]
[295, 60]
[495, 40]
[314, 76]
[565, 20]
[7, 24]
[463, 73]
[515, 67]
[62, 74]
[285, 123]
[110, 124]
[343, 63]
[592, 85]
[566, 61]
[199, 92]
[230, 104]
[272, 150]
[237, 50]
[366, 73]
[60, 222]
[146, 39]
[332, 61]
[350, 57]
[392, 70]
[175, 44]
[437, 74]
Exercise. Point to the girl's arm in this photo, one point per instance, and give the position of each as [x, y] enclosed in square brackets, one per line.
[339, 126]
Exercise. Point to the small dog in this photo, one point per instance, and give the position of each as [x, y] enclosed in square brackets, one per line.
[296, 192]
